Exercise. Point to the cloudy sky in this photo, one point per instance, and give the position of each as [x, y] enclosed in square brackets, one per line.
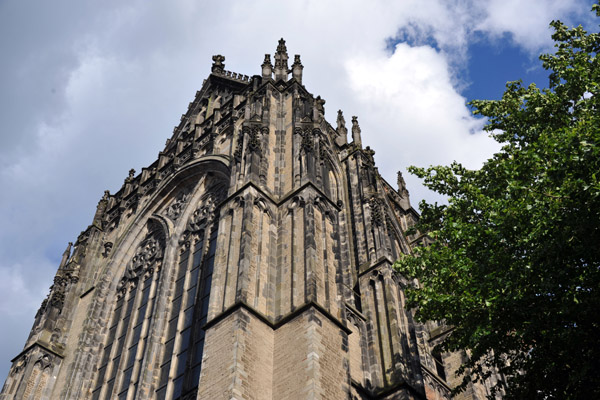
[90, 89]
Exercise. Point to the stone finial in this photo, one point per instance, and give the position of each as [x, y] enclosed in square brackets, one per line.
[281, 48]
[356, 132]
[267, 67]
[106, 195]
[130, 176]
[297, 68]
[341, 124]
[281, 61]
[218, 66]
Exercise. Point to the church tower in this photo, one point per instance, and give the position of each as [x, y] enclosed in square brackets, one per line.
[251, 260]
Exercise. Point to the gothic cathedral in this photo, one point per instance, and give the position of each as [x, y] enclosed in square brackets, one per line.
[252, 260]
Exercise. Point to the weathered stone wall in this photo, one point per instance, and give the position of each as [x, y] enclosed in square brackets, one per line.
[309, 359]
[238, 359]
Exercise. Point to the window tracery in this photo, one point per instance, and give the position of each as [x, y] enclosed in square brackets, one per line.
[127, 335]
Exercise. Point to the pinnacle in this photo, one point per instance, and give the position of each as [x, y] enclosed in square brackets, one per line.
[281, 48]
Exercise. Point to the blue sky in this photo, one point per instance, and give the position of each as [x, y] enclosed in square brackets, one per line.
[92, 90]
[491, 65]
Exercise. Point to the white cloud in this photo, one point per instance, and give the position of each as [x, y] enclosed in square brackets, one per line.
[414, 114]
[527, 21]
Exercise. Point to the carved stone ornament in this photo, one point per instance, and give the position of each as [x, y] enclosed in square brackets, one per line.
[261, 203]
[322, 150]
[377, 274]
[297, 201]
[107, 249]
[341, 124]
[45, 360]
[237, 154]
[130, 176]
[20, 364]
[369, 153]
[353, 318]
[254, 144]
[207, 207]
[320, 107]
[307, 141]
[376, 213]
[202, 216]
[218, 65]
[176, 207]
[56, 297]
[146, 260]
[185, 241]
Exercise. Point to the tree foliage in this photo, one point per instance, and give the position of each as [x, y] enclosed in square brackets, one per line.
[514, 267]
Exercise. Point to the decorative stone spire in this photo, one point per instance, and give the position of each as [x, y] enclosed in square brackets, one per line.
[281, 61]
[297, 69]
[356, 132]
[267, 67]
[218, 66]
[65, 256]
[401, 184]
[403, 192]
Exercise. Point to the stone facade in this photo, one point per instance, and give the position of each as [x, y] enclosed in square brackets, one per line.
[252, 260]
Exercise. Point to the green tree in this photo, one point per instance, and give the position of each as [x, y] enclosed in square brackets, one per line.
[514, 266]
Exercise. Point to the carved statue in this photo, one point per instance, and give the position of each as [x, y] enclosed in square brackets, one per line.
[341, 124]
[356, 132]
[320, 104]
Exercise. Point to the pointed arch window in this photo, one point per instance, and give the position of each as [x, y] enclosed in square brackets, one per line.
[184, 342]
[120, 365]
